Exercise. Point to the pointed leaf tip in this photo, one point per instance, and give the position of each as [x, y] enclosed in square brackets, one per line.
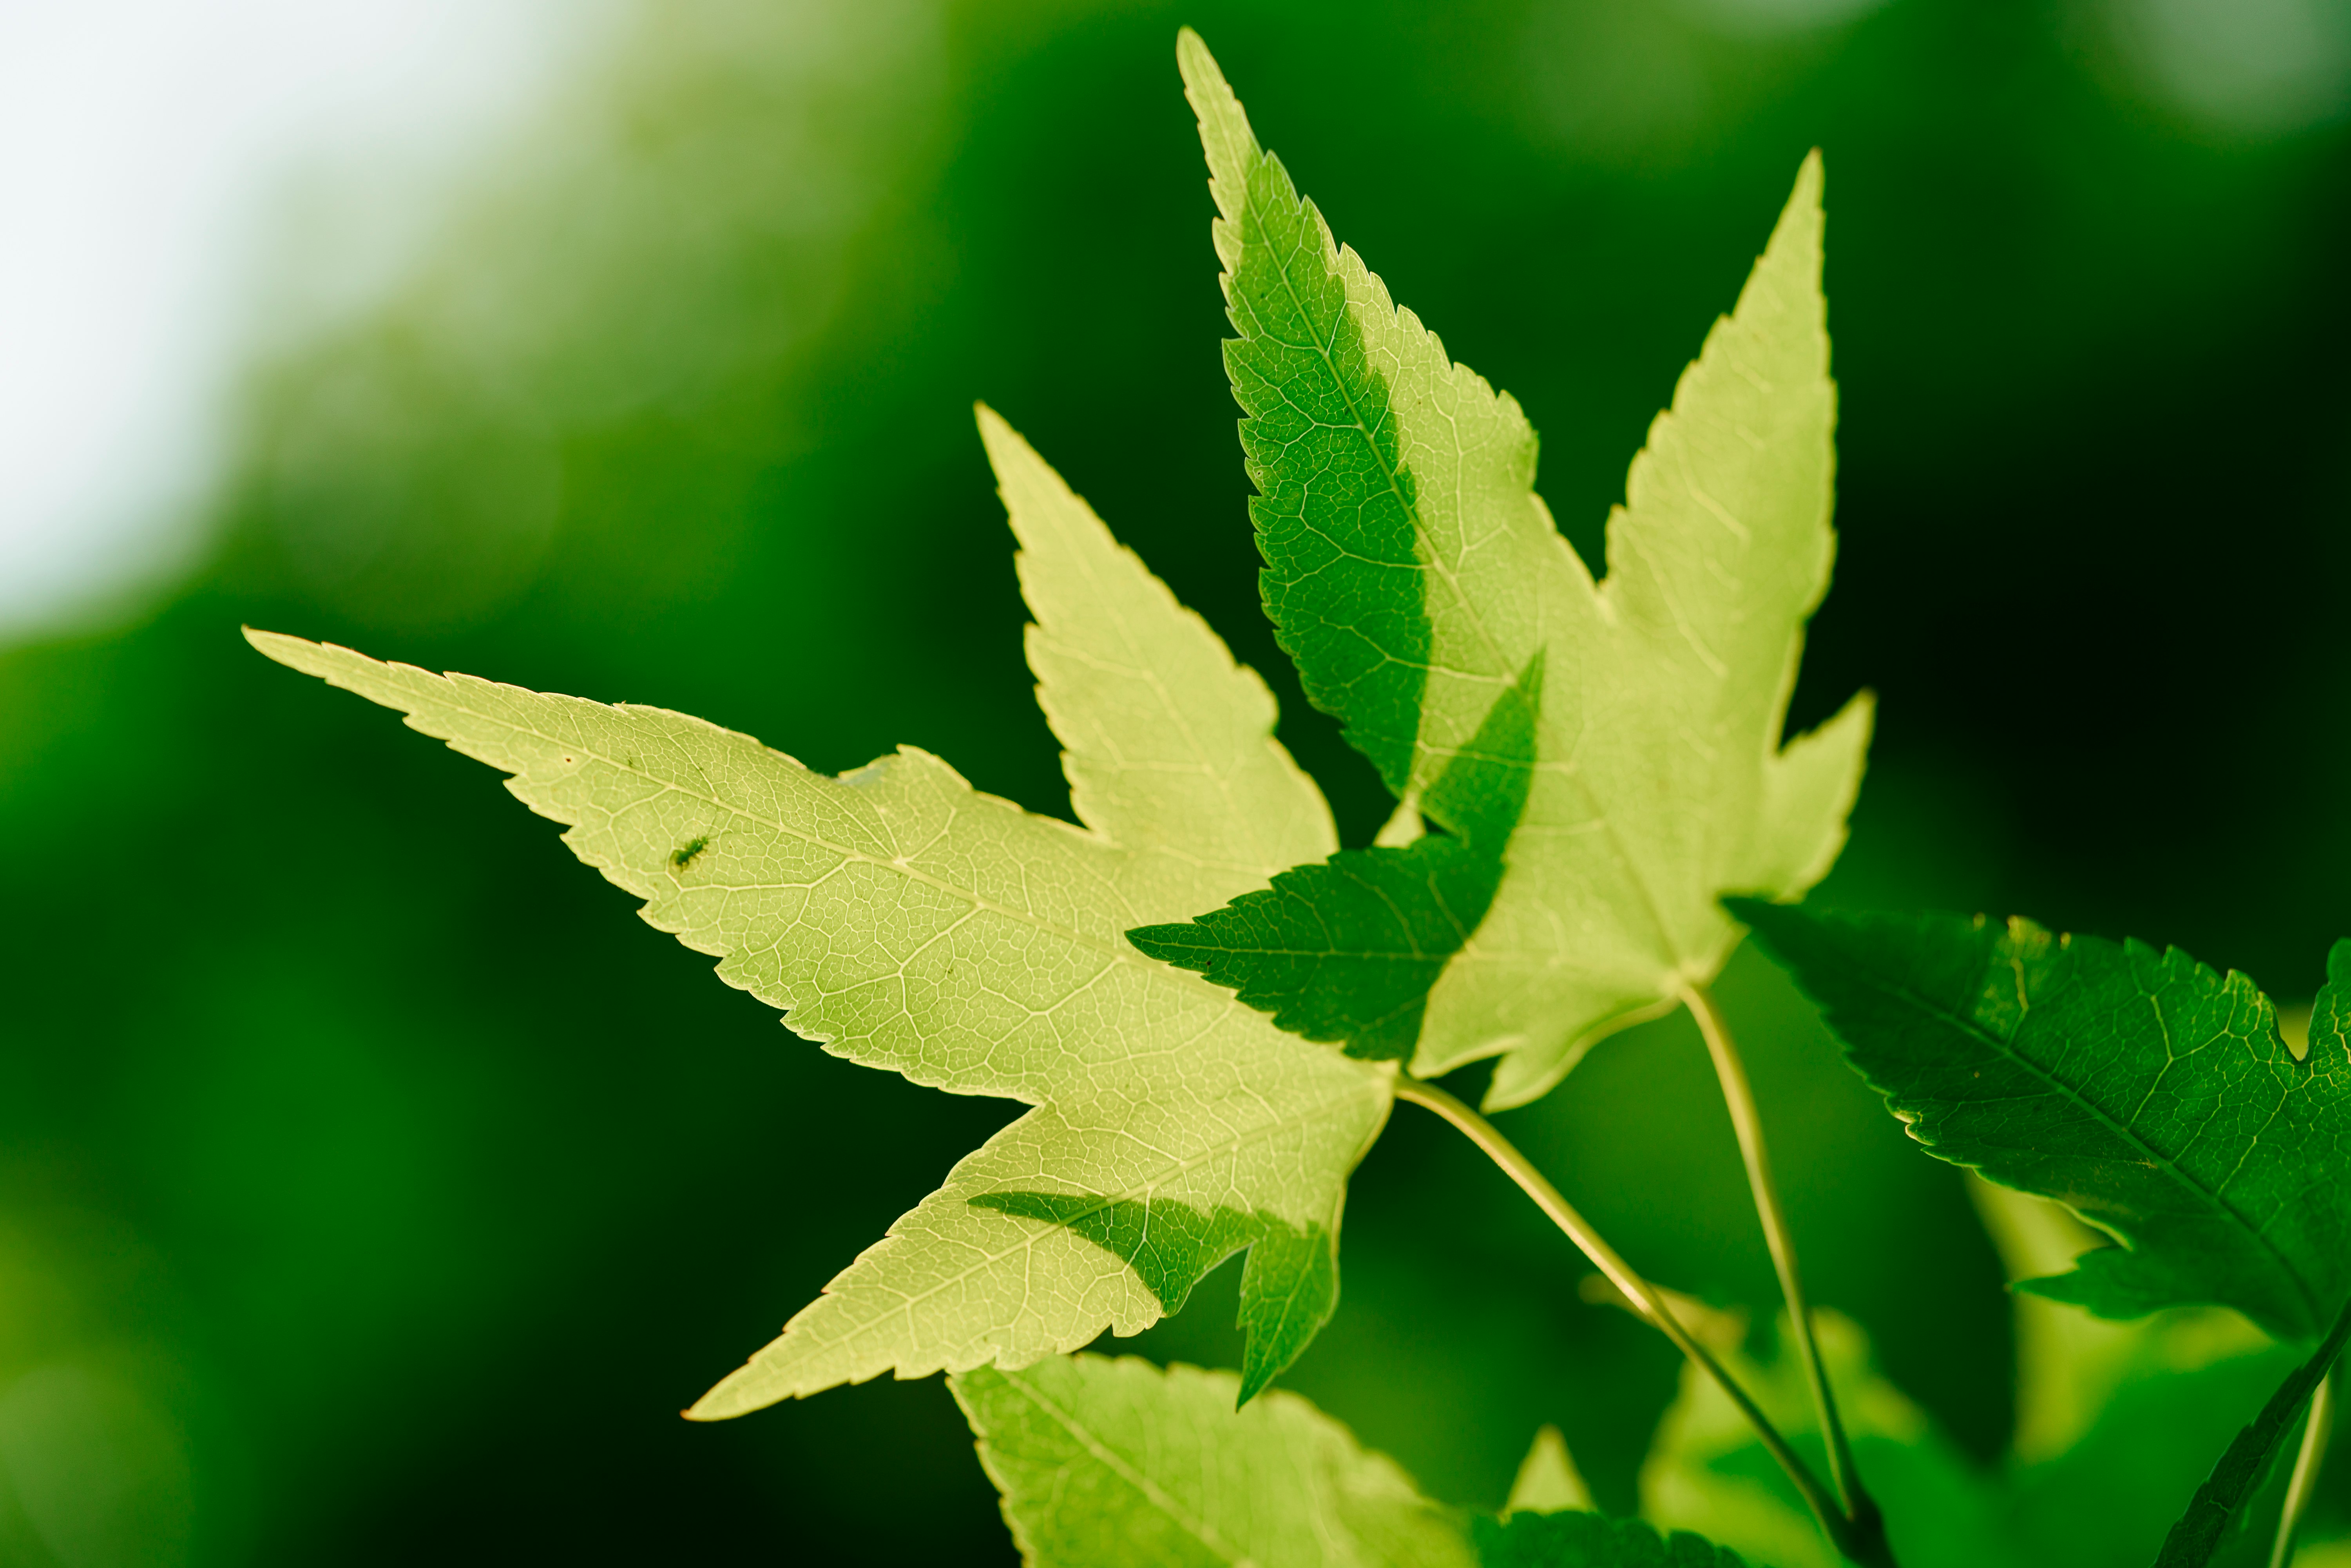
[994, 428]
[1225, 134]
[294, 652]
[1804, 217]
[1191, 56]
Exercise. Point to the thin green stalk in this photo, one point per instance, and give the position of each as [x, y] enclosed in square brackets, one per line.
[1865, 1547]
[2198, 1532]
[2316, 1429]
[1748, 1123]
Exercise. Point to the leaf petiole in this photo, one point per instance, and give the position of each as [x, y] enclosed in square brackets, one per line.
[1868, 1548]
[1739, 1095]
[2316, 1429]
[2197, 1534]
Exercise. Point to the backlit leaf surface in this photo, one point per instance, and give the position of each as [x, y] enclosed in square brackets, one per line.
[1420, 584]
[1109, 1463]
[1118, 1464]
[908, 921]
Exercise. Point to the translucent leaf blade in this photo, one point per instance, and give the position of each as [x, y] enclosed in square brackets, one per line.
[1664, 783]
[1105, 1463]
[908, 921]
[1410, 566]
[1346, 950]
[1168, 743]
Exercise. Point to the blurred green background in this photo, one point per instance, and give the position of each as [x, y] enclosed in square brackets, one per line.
[375, 1187]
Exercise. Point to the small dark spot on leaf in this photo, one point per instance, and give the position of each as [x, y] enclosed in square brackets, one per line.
[684, 855]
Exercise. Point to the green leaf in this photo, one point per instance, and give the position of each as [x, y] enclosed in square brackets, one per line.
[1579, 1540]
[1117, 1464]
[2107, 1501]
[1415, 577]
[2184, 1382]
[1346, 950]
[1288, 1288]
[1168, 743]
[1706, 1472]
[908, 921]
[2072, 1367]
[1548, 1480]
[2149, 1094]
[2116, 1422]
[2093, 1485]
[2250, 1456]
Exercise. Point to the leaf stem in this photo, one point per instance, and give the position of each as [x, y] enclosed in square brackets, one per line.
[1651, 1306]
[2316, 1429]
[1748, 1123]
[2197, 1535]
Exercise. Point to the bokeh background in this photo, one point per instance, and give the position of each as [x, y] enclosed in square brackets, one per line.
[375, 1187]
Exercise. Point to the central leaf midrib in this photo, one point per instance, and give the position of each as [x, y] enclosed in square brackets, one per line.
[2123, 1130]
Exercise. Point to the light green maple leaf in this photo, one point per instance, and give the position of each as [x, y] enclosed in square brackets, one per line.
[908, 921]
[1420, 584]
[1118, 1464]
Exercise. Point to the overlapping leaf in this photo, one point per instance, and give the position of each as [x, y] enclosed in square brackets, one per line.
[908, 921]
[1346, 950]
[2149, 1094]
[1418, 581]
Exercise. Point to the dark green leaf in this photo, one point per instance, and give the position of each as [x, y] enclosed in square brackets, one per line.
[1289, 1287]
[1592, 1540]
[2145, 1091]
[1334, 507]
[1415, 575]
[2251, 1457]
[1346, 950]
